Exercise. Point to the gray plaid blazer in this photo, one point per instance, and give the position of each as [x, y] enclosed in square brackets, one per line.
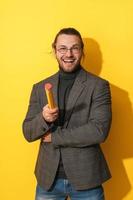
[87, 123]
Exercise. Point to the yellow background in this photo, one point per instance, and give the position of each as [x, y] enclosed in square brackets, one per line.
[27, 29]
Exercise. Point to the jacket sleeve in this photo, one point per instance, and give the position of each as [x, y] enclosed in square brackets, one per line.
[34, 125]
[96, 130]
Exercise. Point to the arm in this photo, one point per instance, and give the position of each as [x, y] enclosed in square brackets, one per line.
[34, 125]
[97, 128]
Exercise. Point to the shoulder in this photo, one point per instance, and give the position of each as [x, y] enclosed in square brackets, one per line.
[49, 79]
[94, 79]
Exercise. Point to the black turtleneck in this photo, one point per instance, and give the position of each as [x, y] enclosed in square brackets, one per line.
[66, 80]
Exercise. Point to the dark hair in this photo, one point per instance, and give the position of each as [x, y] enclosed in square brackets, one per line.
[68, 31]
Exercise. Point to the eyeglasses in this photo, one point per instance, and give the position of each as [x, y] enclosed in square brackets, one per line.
[74, 49]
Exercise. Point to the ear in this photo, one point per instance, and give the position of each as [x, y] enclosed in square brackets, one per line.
[54, 51]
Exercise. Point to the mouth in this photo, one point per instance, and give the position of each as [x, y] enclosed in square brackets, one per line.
[68, 60]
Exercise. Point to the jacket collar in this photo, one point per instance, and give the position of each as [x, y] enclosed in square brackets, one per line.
[75, 92]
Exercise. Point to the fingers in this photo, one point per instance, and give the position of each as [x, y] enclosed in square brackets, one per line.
[50, 119]
[49, 110]
[47, 137]
[50, 115]
[53, 111]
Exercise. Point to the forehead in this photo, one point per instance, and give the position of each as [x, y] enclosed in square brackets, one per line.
[65, 39]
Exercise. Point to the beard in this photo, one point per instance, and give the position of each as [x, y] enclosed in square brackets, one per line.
[70, 70]
[69, 65]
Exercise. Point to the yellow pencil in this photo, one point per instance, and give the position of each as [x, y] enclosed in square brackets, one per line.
[49, 94]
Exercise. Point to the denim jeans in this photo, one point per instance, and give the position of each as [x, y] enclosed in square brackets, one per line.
[62, 189]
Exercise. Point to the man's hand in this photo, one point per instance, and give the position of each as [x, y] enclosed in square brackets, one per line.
[50, 115]
[47, 137]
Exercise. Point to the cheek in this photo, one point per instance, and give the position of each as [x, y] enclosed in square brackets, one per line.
[60, 57]
[78, 57]
[57, 57]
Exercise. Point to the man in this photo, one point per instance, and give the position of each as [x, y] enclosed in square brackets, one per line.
[70, 161]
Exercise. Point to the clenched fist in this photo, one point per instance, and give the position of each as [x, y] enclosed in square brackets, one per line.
[50, 115]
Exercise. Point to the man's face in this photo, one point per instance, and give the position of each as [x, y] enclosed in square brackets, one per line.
[68, 52]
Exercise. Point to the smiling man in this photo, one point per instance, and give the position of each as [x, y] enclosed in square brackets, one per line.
[68, 50]
[70, 160]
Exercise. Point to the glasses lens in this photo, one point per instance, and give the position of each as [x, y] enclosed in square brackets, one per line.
[62, 50]
[74, 49]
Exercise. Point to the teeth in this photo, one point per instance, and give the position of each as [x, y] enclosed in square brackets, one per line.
[68, 60]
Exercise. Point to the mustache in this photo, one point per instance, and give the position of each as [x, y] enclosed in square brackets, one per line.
[68, 57]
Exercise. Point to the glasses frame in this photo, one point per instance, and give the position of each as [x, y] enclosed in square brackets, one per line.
[75, 49]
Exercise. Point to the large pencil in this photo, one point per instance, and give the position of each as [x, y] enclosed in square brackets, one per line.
[49, 94]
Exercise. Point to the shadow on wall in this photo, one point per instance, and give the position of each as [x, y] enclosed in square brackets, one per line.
[119, 143]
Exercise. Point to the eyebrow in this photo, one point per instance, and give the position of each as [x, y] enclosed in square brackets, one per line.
[71, 46]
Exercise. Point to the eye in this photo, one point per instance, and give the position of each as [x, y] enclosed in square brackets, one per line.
[76, 49]
[62, 49]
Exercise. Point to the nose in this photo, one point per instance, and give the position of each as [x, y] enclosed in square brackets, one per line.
[69, 52]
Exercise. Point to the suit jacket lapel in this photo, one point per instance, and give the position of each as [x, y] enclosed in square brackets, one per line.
[76, 90]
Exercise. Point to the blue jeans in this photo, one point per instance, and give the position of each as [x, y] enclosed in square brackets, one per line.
[62, 189]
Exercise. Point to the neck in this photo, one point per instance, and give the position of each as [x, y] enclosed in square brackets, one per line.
[73, 72]
[69, 75]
